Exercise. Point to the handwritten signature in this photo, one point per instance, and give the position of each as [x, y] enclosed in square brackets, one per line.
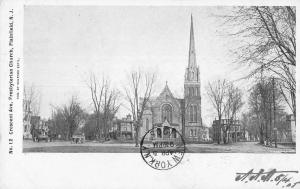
[279, 177]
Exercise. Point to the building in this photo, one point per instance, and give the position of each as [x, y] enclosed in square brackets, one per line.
[26, 120]
[286, 130]
[168, 114]
[122, 128]
[292, 124]
[234, 134]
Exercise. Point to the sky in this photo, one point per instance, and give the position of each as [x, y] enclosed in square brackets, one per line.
[63, 44]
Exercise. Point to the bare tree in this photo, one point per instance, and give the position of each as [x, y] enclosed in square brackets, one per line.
[250, 124]
[32, 100]
[110, 107]
[255, 103]
[227, 102]
[268, 42]
[138, 93]
[104, 100]
[265, 102]
[233, 105]
[69, 116]
[96, 88]
[217, 95]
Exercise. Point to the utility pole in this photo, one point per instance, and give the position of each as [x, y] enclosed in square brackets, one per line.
[274, 110]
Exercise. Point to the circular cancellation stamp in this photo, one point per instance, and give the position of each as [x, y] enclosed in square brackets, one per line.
[162, 150]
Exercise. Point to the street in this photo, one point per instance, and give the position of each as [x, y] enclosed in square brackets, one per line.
[95, 147]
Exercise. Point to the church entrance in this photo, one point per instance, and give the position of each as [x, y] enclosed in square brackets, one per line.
[166, 132]
[158, 130]
[173, 133]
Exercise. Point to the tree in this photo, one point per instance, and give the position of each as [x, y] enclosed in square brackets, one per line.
[32, 100]
[268, 43]
[137, 93]
[105, 103]
[227, 102]
[69, 117]
[90, 127]
[233, 105]
[110, 107]
[265, 101]
[250, 124]
[96, 89]
[217, 94]
[60, 126]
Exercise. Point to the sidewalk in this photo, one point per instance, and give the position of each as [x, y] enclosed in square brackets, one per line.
[94, 146]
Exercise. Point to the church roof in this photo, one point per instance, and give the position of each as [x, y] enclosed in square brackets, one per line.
[166, 91]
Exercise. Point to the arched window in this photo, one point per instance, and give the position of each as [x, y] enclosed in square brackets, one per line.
[173, 133]
[167, 113]
[147, 124]
[191, 132]
[158, 133]
[193, 113]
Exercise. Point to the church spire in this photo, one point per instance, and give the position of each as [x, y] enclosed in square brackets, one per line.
[192, 55]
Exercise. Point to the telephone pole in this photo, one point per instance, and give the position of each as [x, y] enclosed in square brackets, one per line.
[274, 110]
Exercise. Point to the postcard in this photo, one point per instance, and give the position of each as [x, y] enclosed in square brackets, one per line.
[168, 94]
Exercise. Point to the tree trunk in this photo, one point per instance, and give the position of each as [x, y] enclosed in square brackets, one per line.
[261, 134]
[219, 130]
[68, 135]
[98, 126]
[136, 135]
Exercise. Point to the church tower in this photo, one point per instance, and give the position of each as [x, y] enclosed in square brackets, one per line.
[192, 92]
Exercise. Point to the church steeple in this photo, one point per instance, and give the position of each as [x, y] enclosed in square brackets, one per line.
[192, 71]
[192, 88]
[192, 55]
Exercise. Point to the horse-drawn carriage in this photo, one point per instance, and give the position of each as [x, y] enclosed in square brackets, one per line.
[78, 138]
[40, 135]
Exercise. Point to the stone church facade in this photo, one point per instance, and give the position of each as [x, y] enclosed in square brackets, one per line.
[167, 113]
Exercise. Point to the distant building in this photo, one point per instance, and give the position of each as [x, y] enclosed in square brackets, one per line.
[287, 132]
[292, 124]
[122, 128]
[26, 120]
[234, 133]
[32, 123]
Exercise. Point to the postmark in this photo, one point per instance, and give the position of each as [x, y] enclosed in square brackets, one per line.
[162, 151]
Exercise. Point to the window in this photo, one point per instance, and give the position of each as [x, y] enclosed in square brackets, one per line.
[193, 113]
[198, 91]
[167, 113]
[191, 132]
[158, 133]
[147, 124]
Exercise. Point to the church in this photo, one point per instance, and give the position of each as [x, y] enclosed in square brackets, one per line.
[168, 114]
